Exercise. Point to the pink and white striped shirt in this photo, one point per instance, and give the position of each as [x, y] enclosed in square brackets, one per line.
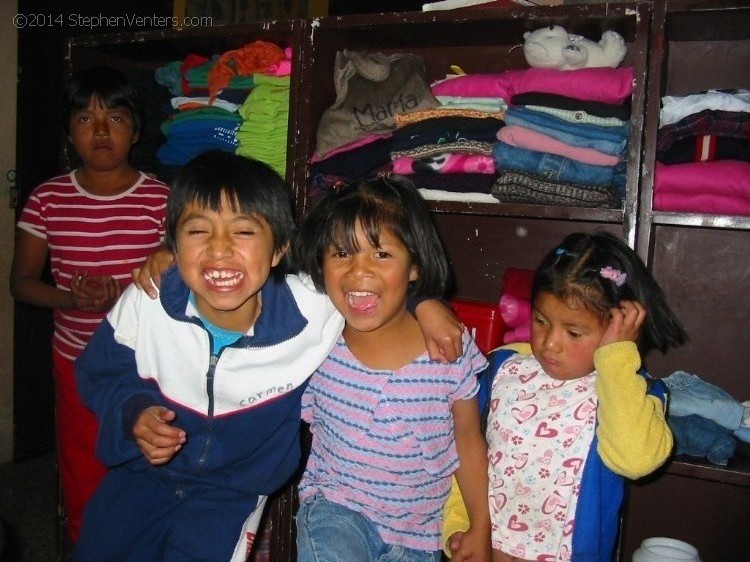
[383, 441]
[101, 235]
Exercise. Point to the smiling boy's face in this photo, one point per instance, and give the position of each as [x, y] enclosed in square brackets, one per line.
[225, 258]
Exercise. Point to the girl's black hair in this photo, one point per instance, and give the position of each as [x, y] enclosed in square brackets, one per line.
[375, 203]
[110, 86]
[599, 270]
[251, 187]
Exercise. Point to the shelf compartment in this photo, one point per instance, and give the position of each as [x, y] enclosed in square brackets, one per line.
[478, 41]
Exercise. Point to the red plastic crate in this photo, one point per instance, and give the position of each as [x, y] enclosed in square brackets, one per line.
[483, 321]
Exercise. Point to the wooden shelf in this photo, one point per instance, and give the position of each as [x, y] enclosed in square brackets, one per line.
[528, 211]
[701, 220]
[736, 473]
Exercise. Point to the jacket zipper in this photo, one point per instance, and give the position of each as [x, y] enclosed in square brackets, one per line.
[210, 414]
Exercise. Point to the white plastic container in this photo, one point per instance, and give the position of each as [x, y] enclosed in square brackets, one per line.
[663, 549]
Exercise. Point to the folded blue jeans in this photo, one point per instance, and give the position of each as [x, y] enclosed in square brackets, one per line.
[554, 167]
[699, 437]
[689, 394]
[329, 532]
[609, 140]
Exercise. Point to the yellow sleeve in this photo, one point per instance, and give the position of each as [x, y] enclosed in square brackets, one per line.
[634, 438]
[455, 517]
[521, 347]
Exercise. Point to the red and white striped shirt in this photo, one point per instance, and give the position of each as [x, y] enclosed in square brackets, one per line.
[99, 235]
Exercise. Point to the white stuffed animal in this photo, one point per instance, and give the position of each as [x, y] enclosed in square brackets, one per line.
[553, 47]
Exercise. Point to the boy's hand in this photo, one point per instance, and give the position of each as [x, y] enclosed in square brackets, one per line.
[155, 436]
[625, 323]
[441, 329]
[148, 276]
[94, 293]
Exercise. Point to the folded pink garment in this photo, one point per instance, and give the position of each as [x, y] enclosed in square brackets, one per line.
[517, 135]
[284, 67]
[350, 146]
[719, 177]
[446, 163]
[606, 85]
[710, 203]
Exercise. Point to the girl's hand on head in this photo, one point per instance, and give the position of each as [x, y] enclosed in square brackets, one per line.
[148, 277]
[625, 323]
[155, 436]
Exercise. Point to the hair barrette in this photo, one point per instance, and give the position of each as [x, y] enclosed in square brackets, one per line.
[615, 275]
[339, 186]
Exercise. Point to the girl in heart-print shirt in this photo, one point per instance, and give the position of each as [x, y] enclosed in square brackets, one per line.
[567, 421]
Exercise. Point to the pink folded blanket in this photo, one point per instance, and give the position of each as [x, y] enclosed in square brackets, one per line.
[709, 203]
[717, 187]
[719, 177]
[607, 85]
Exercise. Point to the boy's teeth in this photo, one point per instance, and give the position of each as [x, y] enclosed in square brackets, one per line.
[223, 278]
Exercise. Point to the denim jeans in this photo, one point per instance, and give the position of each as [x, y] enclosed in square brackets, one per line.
[689, 394]
[329, 532]
[553, 167]
[700, 437]
[610, 140]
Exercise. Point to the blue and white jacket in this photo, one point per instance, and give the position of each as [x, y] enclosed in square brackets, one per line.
[240, 409]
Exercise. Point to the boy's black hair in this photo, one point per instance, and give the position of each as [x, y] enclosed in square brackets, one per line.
[572, 272]
[251, 186]
[110, 86]
[376, 203]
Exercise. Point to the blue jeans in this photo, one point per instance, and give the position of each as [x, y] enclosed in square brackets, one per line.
[700, 437]
[554, 167]
[689, 394]
[610, 140]
[329, 532]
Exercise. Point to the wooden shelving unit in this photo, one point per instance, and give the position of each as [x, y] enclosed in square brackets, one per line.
[703, 261]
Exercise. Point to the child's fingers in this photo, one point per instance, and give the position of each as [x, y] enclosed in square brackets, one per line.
[157, 455]
[144, 281]
[630, 315]
[435, 351]
[625, 322]
[454, 542]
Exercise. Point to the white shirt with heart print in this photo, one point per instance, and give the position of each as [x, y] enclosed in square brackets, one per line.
[539, 432]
